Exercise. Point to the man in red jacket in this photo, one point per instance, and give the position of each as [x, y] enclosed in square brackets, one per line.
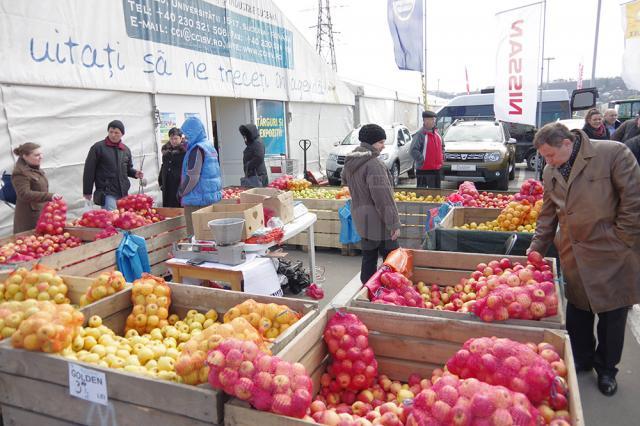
[428, 152]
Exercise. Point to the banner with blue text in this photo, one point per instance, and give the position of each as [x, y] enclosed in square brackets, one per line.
[231, 48]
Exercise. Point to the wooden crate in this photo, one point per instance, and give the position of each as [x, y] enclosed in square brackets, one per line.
[447, 268]
[77, 286]
[91, 259]
[475, 241]
[35, 386]
[403, 344]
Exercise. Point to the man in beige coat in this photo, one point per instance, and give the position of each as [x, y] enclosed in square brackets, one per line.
[592, 208]
[373, 208]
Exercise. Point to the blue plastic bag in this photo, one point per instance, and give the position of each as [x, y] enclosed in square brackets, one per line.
[348, 232]
[132, 257]
[437, 214]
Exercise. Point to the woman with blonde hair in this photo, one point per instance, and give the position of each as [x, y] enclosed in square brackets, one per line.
[31, 185]
[594, 126]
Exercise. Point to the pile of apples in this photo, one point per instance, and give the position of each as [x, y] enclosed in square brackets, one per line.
[495, 291]
[106, 284]
[396, 289]
[267, 382]
[100, 218]
[316, 193]
[30, 247]
[516, 366]
[232, 193]
[531, 190]
[298, 184]
[135, 202]
[270, 319]
[13, 313]
[50, 329]
[469, 196]
[52, 219]
[353, 367]
[191, 365]
[151, 298]
[151, 354]
[413, 197]
[40, 283]
[129, 220]
[281, 183]
[106, 233]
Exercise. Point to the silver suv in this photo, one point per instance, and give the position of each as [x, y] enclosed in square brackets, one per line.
[395, 155]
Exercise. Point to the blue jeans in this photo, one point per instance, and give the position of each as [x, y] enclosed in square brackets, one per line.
[110, 202]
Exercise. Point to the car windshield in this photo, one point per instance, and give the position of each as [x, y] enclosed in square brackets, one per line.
[352, 137]
[473, 133]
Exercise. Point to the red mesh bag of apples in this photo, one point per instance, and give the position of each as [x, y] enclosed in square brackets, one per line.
[396, 289]
[513, 365]
[353, 362]
[52, 219]
[267, 382]
[469, 401]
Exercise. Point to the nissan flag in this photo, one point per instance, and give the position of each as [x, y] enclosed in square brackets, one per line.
[405, 23]
[631, 56]
[517, 64]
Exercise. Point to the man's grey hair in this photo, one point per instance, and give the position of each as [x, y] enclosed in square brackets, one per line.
[552, 134]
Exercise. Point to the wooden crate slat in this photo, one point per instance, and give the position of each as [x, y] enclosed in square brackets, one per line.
[399, 369]
[413, 349]
[14, 416]
[192, 401]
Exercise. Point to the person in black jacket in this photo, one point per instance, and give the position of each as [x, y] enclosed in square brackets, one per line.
[171, 170]
[594, 126]
[253, 155]
[109, 166]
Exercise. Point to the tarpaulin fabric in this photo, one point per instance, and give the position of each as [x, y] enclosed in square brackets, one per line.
[132, 257]
[65, 123]
[348, 232]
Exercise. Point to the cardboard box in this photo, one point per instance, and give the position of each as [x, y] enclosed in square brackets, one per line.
[252, 213]
[280, 202]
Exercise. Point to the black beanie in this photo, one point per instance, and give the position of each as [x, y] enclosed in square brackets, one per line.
[371, 133]
[428, 114]
[116, 124]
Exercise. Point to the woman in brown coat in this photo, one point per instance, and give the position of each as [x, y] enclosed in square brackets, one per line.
[31, 185]
[591, 212]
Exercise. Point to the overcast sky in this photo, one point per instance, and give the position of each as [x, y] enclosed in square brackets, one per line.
[459, 33]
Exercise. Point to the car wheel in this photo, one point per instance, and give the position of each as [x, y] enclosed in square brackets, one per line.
[395, 174]
[412, 172]
[503, 181]
[512, 173]
[531, 160]
[334, 182]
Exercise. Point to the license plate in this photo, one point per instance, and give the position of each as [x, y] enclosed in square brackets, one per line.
[463, 167]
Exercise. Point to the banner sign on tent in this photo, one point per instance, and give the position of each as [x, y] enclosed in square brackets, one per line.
[631, 56]
[224, 48]
[405, 23]
[270, 123]
[517, 64]
[167, 121]
[203, 27]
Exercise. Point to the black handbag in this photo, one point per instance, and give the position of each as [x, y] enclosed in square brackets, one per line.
[99, 197]
[7, 191]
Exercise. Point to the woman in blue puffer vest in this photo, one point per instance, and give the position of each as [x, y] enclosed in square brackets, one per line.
[201, 183]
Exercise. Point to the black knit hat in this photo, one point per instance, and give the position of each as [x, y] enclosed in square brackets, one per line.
[428, 114]
[372, 133]
[116, 124]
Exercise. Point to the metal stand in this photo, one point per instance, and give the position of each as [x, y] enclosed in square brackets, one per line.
[305, 144]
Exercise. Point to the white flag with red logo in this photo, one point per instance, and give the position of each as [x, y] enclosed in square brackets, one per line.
[517, 64]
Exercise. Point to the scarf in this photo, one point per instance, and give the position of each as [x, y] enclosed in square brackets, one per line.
[565, 169]
[118, 145]
[595, 133]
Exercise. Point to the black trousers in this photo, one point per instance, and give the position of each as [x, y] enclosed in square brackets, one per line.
[611, 327]
[428, 178]
[371, 249]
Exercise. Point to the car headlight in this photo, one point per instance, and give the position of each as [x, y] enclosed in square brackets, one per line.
[492, 156]
[449, 156]
[333, 157]
[384, 157]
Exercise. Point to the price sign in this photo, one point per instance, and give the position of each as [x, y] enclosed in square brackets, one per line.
[87, 384]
